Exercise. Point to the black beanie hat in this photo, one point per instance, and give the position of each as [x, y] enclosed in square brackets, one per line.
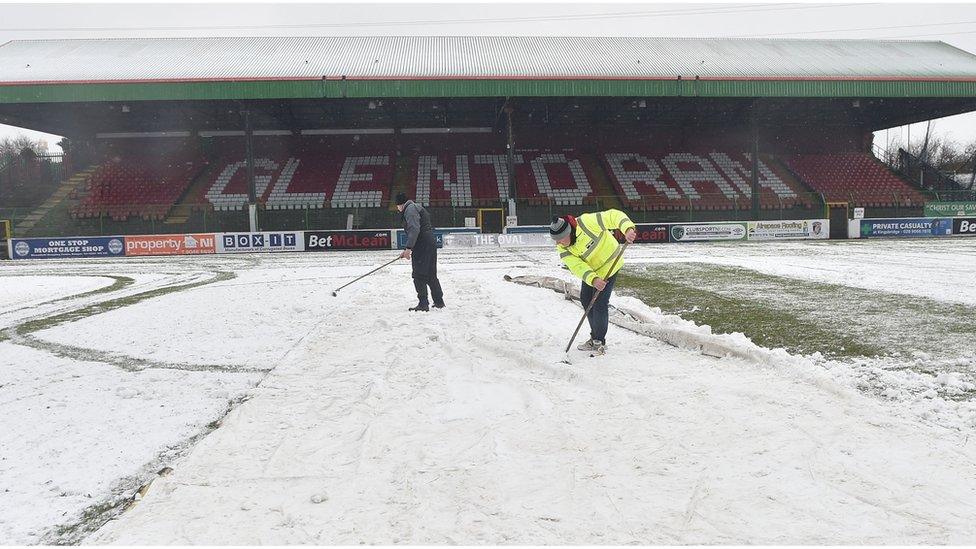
[559, 228]
[401, 199]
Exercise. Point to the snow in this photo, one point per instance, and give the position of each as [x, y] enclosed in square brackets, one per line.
[81, 427]
[25, 291]
[258, 321]
[940, 269]
[371, 424]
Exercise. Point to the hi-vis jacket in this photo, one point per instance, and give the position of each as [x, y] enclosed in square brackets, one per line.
[595, 248]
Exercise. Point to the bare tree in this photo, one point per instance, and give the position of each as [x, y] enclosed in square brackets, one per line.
[969, 167]
[944, 154]
[15, 146]
[971, 150]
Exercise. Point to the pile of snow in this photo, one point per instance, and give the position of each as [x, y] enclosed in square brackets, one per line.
[935, 397]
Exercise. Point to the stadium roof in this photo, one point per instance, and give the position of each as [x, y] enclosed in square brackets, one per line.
[477, 57]
[424, 66]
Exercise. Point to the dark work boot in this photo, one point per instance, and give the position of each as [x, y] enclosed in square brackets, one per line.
[422, 306]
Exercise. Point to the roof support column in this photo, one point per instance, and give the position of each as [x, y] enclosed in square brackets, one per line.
[252, 201]
[755, 166]
[510, 150]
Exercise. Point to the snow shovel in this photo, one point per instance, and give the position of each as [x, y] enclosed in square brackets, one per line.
[336, 291]
[592, 301]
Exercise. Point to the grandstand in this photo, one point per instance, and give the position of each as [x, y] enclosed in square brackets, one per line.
[832, 175]
[667, 129]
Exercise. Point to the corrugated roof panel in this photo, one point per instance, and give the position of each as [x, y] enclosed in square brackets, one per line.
[436, 57]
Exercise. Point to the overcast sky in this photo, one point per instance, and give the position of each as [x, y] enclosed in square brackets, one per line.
[951, 23]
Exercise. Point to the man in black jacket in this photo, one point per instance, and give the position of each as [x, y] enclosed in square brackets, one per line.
[421, 251]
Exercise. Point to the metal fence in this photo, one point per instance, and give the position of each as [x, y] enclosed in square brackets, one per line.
[28, 181]
[200, 218]
[27, 169]
[951, 196]
[64, 221]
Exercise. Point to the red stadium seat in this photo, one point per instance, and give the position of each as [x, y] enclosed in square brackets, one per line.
[137, 184]
[706, 180]
[853, 177]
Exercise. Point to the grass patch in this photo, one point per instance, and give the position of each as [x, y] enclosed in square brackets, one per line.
[22, 333]
[122, 494]
[765, 325]
[74, 533]
[120, 283]
[112, 304]
[800, 316]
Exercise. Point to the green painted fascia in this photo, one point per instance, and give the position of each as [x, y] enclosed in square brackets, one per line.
[160, 91]
[647, 88]
[311, 89]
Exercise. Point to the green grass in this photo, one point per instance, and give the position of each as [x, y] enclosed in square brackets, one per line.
[74, 533]
[800, 316]
[22, 333]
[119, 283]
[96, 515]
[112, 304]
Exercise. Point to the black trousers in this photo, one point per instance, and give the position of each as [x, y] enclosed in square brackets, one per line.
[599, 315]
[424, 263]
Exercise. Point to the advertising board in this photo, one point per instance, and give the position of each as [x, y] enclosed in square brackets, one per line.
[799, 229]
[321, 241]
[171, 244]
[905, 227]
[76, 246]
[699, 232]
[277, 241]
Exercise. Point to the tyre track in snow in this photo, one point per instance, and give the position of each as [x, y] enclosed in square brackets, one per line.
[536, 391]
[451, 427]
[23, 332]
[123, 292]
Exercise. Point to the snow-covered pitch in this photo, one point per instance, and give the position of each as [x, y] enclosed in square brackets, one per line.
[234, 400]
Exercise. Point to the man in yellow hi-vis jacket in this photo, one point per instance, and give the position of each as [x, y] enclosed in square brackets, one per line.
[588, 245]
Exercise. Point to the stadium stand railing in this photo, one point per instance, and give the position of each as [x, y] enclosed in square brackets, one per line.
[26, 181]
[924, 175]
[444, 213]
